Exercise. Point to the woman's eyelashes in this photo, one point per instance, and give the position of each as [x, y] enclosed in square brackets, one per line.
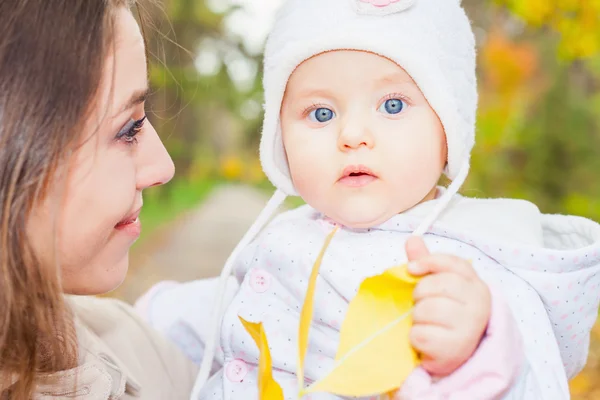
[130, 130]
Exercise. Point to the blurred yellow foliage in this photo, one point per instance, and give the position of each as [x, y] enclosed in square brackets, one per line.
[231, 167]
[507, 65]
[509, 73]
[577, 21]
[241, 167]
[202, 167]
[254, 172]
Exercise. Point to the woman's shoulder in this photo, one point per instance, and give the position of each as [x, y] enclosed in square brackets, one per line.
[110, 330]
[99, 314]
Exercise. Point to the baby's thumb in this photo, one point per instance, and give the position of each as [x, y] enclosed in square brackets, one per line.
[415, 248]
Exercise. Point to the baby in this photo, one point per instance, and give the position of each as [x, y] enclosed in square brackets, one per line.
[368, 103]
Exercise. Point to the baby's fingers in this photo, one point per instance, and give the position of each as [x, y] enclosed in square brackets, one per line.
[438, 263]
[438, 311]
[415, 248]
[449, 285]
[435, 345]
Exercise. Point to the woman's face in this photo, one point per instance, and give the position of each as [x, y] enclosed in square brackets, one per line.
[89, 220]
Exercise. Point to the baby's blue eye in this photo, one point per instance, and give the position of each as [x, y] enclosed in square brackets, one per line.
[321, 115]
[392, 106]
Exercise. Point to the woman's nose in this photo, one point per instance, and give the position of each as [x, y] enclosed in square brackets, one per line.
[154, 164]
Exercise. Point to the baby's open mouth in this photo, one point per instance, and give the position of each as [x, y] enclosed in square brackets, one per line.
[357, 176]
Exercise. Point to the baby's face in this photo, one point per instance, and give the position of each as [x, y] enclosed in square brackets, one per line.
[362, 142]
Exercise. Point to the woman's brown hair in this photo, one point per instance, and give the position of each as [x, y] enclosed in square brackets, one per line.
[52, 55]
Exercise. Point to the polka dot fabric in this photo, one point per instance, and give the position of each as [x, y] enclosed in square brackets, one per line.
[552, 293]
[567, 281]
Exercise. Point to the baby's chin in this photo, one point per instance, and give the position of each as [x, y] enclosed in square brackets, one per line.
[361, 219]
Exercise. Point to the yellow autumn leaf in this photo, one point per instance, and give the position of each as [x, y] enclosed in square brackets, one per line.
[581, 384]
[268, 388]
[374, 355]
[307, 311]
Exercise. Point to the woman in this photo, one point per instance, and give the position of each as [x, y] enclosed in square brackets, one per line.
[76, 152]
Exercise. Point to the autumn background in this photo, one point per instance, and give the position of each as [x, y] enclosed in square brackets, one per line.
[538, 135]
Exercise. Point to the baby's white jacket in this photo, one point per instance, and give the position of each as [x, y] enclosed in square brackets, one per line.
[543, 272]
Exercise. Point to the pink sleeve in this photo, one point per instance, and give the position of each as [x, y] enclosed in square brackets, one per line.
[488, 374]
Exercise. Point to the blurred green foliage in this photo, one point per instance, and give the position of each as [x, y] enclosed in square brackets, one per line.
[538, 135]
[539, 117]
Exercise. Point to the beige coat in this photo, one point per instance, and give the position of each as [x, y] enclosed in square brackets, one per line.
[120, 358]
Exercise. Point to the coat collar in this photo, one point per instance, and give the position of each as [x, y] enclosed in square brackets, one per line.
[100, 374]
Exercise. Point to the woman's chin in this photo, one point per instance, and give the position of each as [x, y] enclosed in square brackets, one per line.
[99, 280]
[114, 278]
[117, 280]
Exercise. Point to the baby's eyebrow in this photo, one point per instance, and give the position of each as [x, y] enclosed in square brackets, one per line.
[396, 78]
[313, 92]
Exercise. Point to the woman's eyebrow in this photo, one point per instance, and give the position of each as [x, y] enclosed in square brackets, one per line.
[138, 97]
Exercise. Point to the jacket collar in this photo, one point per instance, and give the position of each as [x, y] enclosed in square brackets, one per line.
[100, 374]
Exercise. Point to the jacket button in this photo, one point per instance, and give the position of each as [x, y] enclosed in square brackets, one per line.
[236, 370]
[260, 280]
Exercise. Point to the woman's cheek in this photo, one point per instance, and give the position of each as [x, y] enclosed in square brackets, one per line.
[115, 192]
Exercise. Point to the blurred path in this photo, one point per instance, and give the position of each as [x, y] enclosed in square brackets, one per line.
[197, 244]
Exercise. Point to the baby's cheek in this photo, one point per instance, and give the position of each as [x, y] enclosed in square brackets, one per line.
[307, 187]
[307, 172]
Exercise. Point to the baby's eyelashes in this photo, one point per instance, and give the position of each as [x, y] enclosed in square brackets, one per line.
[321, 115]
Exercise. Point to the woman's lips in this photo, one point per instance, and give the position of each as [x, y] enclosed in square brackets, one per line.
[357, 176]
[131, 224]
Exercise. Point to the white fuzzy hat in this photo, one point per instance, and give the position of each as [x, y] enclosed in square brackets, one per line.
[431, 39]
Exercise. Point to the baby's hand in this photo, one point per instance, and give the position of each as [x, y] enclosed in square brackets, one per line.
[452, 309]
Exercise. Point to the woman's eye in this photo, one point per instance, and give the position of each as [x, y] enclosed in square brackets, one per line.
[321, 115]
[130, 130]
[392, 106]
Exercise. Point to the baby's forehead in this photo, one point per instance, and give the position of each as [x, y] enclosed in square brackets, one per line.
[346, 69]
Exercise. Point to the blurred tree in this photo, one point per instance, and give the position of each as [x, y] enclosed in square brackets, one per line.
[538, 125]
[199, 107]
[539, 117]
[577, 22]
